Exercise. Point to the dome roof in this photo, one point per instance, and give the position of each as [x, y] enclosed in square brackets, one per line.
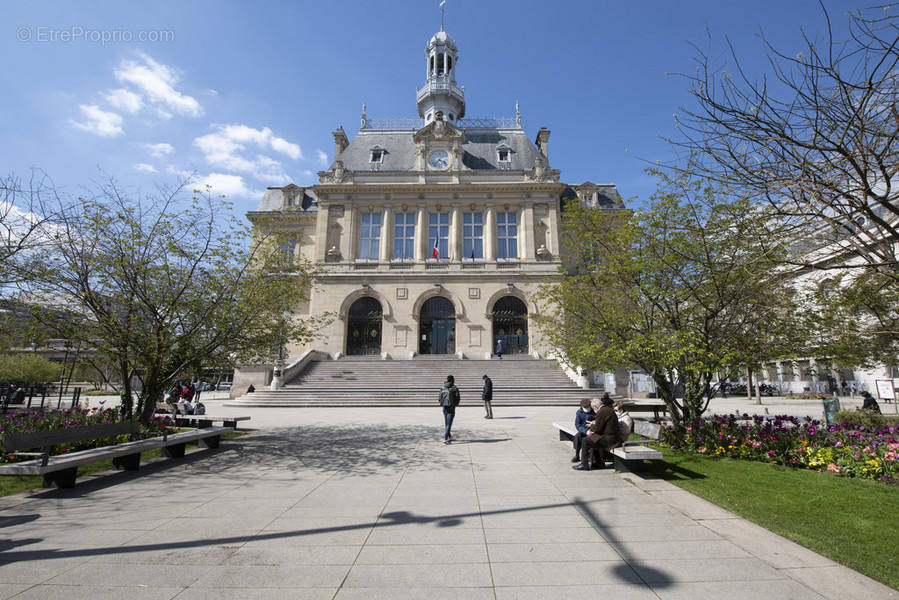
[442, 38]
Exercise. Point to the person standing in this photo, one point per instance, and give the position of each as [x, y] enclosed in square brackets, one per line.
[487, 397]
[499, 348]
[449, 400]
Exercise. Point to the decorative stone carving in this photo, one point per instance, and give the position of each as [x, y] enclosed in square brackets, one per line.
[339, 172]
[334, 252]
[543, 253]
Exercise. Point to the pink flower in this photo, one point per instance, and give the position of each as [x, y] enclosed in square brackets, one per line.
[834, 468]
[890, 456]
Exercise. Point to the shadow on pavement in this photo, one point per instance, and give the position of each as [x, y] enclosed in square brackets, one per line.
[632, 568]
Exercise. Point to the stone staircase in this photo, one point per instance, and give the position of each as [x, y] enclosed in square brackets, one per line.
[364, 381]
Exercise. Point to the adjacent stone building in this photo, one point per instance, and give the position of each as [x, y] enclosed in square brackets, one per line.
[433, 232]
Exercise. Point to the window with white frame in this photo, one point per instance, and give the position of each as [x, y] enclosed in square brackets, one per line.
[370, 236]
[473, 235]
[404, 236]
[377, 155]
[504, 154]
[438, 235]
[288, 252]
[506, 235]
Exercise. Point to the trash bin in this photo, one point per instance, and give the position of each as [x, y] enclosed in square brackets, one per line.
[831, 408]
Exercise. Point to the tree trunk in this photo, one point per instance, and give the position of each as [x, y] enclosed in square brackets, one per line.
[749, 383]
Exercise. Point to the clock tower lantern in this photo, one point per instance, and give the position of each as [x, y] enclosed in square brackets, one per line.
[440, 92]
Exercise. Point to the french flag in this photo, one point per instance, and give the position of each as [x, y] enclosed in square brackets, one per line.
[436, 251]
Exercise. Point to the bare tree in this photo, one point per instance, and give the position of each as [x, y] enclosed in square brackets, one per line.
[22, 214]
[817, 138]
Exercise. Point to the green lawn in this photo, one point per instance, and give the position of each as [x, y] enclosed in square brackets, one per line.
[13, 484]
[852, 521]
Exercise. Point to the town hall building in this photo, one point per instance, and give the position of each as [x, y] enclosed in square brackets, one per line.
[432, 234]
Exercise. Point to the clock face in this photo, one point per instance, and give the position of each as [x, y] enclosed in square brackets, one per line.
[439, 159]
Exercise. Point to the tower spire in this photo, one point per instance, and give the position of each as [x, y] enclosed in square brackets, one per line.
[441, 93]
[442, 13]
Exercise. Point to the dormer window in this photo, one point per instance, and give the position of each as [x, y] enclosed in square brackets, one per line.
[504, 157]
[377, 155]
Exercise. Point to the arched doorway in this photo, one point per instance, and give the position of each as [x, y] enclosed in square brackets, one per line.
[364, 327]
[510, 324]
[437, 327]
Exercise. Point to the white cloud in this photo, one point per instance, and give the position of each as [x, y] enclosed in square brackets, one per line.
[225, 147]
[158, 150]
[157, 82]
[322, 157]
[99, 122]
[124, 100]
[145, 167]
[228, 185]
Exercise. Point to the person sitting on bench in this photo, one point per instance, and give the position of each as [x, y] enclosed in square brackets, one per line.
[602, 435]
[584, 414]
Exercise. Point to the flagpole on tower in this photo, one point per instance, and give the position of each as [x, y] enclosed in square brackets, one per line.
[442, 13]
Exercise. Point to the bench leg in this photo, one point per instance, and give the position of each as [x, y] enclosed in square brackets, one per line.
[203, 423]
[175, 450]
[130, 462]
[564, 436]
[230, 424]
[210, 442]
[61, 479]
[627, 466]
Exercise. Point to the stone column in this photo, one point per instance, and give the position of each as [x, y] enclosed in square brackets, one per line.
[490, 234]
[526, 250]
[551, 231]
[455, 241]
[321, 231]
[421, 232]
[386, 251]
[348, 247]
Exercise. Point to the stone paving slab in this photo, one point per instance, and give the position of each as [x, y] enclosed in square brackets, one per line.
[377, 508]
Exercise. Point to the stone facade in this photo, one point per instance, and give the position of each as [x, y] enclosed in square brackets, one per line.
[433, 233]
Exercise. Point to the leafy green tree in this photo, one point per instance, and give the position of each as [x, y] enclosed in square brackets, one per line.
[683, 289]
[28, 369]
[160, 283]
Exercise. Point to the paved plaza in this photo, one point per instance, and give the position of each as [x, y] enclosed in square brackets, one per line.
[368, 503]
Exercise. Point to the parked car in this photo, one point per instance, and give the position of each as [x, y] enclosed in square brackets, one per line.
[224, 386]
[204, 386]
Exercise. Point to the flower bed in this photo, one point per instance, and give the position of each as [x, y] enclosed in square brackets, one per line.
[844, 449]
[29, 422]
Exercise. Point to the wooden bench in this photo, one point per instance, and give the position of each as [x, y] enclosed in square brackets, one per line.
[203, 421]
[656, 407]
[630, 455]
[61, 470]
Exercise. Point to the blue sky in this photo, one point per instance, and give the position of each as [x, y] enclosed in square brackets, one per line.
[247, 94]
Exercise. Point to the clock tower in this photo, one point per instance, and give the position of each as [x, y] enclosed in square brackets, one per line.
[440, 92]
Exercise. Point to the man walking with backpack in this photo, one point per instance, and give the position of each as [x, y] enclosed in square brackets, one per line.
[449, 400]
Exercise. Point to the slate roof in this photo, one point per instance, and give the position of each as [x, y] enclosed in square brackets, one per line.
[480, 150]
[273, 200]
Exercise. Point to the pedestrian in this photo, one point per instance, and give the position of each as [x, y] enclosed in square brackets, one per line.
[198, 389]
[251, 389]
[449, 400]
[499, 348]
[487, 396]
[869, 403]
[584, 415]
